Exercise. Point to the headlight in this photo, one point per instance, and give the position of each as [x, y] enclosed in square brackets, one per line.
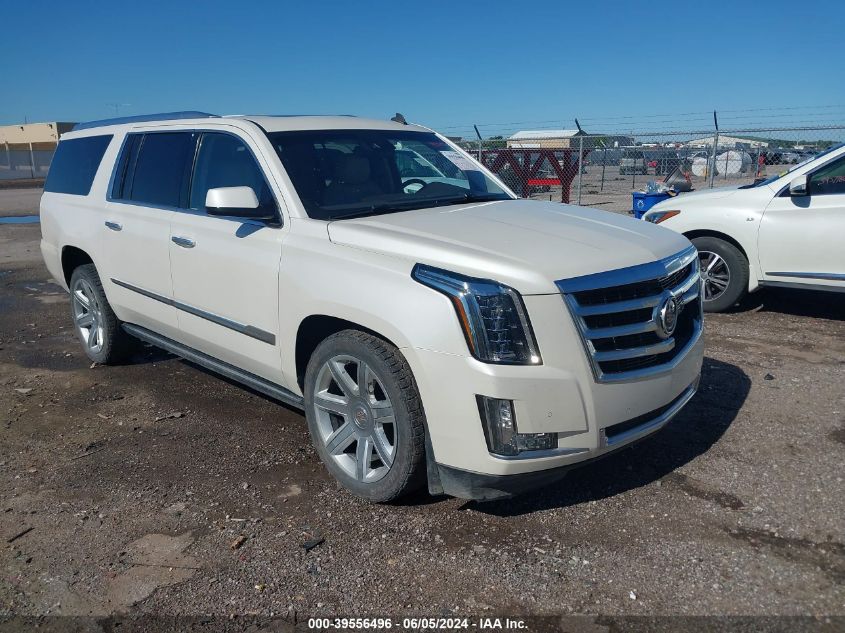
[657, 217]
[492, 316]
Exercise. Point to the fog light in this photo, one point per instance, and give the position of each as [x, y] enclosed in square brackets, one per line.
[499, 422]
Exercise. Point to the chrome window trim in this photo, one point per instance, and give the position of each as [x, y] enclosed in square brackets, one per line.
[686, 291]
[279, 220]
[248, 330]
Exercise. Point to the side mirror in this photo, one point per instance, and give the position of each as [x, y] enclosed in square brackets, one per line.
[798, 187]
[236, 202]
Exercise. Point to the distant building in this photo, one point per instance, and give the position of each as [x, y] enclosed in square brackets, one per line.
[565, 139]
[737, 142]
[545, 139]
[27, 149]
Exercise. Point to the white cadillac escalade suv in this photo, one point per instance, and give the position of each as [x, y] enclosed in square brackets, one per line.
[434, 328]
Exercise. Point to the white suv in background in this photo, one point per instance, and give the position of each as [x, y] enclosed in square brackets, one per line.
[433, 327]
[788, 230]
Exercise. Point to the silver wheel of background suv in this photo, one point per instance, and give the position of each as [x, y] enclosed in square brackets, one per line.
[724, 272]
[355, 418]
[87, 316]
[715, 274]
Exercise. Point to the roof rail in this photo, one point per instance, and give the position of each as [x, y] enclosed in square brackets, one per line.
[143, 118]
[288, 116]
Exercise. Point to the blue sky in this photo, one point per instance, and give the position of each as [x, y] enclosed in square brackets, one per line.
[443, 64]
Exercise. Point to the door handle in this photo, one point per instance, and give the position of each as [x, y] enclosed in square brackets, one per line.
[114, 226]
[184, 242]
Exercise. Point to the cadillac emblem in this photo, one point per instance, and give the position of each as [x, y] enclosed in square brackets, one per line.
[667, 316]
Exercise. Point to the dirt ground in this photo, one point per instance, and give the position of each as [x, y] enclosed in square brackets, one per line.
[158, 488]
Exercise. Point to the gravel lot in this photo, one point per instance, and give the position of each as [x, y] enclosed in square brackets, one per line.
[156, 487]
[613, 193]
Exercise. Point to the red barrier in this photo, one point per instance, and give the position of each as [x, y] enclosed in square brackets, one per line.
[519, 167]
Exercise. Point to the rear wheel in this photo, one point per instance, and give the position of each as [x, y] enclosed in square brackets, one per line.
[724, 272]
[365, 416]
[97, 327]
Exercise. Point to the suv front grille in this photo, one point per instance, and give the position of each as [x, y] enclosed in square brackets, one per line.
[620, 315]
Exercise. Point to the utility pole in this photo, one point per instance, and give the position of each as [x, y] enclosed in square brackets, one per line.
[480, 142]
[715, 149]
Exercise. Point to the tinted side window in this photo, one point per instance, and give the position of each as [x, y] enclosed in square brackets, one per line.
[122, 183]
[225, 161]
[162, 169]
[830, 179]
[75, 164]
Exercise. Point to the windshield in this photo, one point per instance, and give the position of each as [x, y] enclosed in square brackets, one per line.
[351, 173]
[772, 179]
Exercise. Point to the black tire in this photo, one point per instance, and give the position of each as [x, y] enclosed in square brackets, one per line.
[737, 267]
[396, 383]
[114, 345]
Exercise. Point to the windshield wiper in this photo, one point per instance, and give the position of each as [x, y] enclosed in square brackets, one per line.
[484, 197]
[408, 205]
[384, 207]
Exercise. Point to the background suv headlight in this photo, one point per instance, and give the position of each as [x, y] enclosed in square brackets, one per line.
[492, 316]
[657, 217]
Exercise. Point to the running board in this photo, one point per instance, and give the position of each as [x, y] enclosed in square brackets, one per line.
[218, 366]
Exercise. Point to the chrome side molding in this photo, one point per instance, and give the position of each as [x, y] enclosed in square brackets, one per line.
[247, 330]
[825, 276]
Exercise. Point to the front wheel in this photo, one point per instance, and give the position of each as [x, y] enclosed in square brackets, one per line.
[365, 415]
[724, 273]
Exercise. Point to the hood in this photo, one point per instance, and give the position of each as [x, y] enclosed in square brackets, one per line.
[525, 244]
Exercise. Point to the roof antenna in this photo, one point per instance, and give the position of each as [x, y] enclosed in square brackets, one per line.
[399, 119]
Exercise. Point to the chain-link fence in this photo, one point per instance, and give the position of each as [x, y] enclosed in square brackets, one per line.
[604, 170]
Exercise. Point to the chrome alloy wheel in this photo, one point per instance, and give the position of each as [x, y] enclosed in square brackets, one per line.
[355, 418]
[715, 274]
[87, 315]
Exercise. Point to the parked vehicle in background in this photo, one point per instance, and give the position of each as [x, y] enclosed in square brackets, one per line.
[664, 161]
[435, 329]
[779, 156]
[633, 161]
[786, 230]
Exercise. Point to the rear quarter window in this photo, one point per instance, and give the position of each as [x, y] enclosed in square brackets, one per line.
[75, 164]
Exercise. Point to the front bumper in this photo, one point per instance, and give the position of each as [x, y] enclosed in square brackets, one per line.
[485, 487]
[562, 396]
